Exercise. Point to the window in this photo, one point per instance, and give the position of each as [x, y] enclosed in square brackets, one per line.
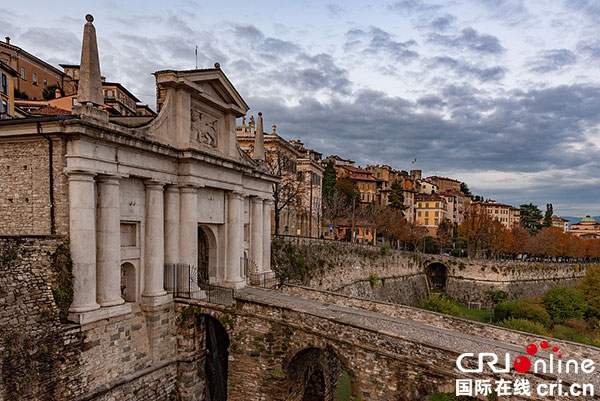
[3, 107]
[45, 83]
[437, 221]
[437, 214]
[419, 213]
[34, 78]
[110, 94]
[75, 74]
[4, 84]
[426, 214]
[426, 222]
[22, 72]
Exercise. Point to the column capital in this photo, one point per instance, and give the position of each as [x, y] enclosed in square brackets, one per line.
[268, 202]
[256, 199]
[237, 194]
[80, 175]
[172, 188]
[109, 179]
[188, 189]
[152, 184]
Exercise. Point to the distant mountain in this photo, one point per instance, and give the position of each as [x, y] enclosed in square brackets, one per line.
[573, 220]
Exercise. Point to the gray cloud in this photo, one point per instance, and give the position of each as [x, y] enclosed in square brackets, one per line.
[375, 41]
[334, 10]
[552, 60]
[462, 69]
[470, 39]
[413, 6]
[443, 23]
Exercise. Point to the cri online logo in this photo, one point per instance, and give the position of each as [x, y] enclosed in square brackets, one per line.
[522, 364]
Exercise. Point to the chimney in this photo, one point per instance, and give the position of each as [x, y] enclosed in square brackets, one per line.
[259, 140]
[57, 93]
[89, 91]
[7, 40]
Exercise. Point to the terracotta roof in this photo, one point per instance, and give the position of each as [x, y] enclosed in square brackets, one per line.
[50, 111]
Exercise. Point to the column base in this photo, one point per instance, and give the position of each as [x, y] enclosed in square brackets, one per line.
[237, 284]
[99, 314]
[116, 302]
[155, 301]
[84, 308]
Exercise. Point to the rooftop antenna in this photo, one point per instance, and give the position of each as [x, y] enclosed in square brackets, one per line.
[196, 53]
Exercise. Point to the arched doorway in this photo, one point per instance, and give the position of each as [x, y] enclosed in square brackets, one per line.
[202, 257]
[316, 374]
[217, 356]
[207, 255]
[436, 275]
[128, 282]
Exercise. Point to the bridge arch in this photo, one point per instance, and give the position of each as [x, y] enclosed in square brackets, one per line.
[319, 374]
[437, 274]
[216, 363]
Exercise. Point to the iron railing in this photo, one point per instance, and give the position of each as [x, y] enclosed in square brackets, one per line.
[262, 279]
[185, 281]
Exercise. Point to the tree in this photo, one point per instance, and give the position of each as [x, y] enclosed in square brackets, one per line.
[390, 223]
[531, 216]
[476, 229]
[336, 209]
[464, 188]
[287, 192]
[396, 197]
[20, 95]
[548, 216]
[445, 233]
[414, 234]
[50, 91]
[329, 181]
[477, 198]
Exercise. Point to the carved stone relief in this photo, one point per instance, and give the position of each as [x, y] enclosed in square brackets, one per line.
[204, 128]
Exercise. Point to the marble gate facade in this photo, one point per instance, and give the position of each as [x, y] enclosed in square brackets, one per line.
[135, 191]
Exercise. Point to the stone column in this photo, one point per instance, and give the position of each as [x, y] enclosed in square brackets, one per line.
[108, 267]
[154, 251]
[188, 230]
[188, 240]
[256, 237]
[266, 266]
[235, 240]
[82, 233]
[171, 232]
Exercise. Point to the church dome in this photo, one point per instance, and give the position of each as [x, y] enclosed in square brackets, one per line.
[588, 219]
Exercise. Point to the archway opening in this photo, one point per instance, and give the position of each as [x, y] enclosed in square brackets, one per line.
[128, 282]
[217, 345]
[316, 374]
[436, 274]
[207, 256]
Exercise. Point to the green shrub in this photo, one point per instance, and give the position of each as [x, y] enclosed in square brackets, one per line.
[522, 309]
[441, 304]
[385, 249]
[523, 325]
[590, 286]
[373, 279]
[570, 334]
[564, 303]
[499, 296]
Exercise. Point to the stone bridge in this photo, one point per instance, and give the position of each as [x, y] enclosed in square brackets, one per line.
[296, 344]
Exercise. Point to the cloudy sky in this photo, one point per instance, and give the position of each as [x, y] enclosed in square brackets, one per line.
[502, 94]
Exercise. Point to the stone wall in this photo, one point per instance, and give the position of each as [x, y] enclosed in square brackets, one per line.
[400, 277]
[129, 357]
[24, 188]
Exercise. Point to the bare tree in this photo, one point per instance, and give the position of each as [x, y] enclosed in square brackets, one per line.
[288, 190]
[336, 209]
